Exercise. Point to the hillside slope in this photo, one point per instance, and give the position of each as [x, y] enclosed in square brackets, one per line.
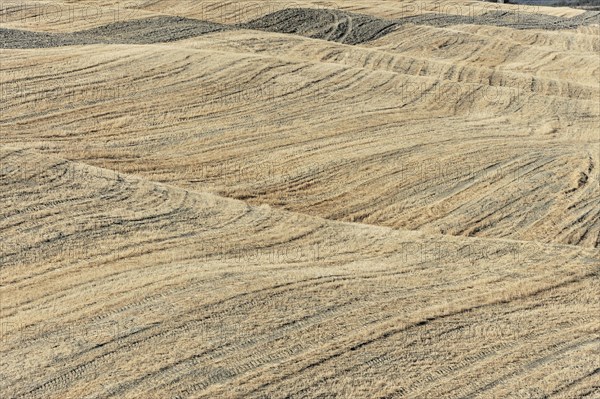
[456, 146]
[105, 274]
[241, 199]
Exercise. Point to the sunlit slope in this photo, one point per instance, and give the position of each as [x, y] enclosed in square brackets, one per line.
[357, 199]
[537, 58]
[380, 134]
[70, 16]
[245, 10]
[104, 274]
[67, 16]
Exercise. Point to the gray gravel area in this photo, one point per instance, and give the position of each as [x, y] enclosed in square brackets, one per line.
[140, 31]
[332, 25]
[14, 38]
[515, 20]
[353, 28]
[154, 30]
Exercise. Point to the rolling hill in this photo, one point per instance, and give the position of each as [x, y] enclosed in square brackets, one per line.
[367, 199]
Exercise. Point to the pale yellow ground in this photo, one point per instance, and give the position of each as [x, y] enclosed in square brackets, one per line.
[259, 215]
[68, 16]
[114, 286]
[457, 131]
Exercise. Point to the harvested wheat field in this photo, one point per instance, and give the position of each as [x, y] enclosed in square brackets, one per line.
[308, 199]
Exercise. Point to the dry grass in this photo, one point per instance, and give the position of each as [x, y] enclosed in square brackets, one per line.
[460, 147]
[136, 289]
[254, 214]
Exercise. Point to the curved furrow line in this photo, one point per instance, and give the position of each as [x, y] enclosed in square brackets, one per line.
[432, 379]
[249, 363]
[574, 384]
[195, 201]
[554, 352]
[77, 371]
[304, 366]
[440, 387]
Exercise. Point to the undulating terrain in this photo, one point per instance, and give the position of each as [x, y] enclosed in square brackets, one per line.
[308, 199]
